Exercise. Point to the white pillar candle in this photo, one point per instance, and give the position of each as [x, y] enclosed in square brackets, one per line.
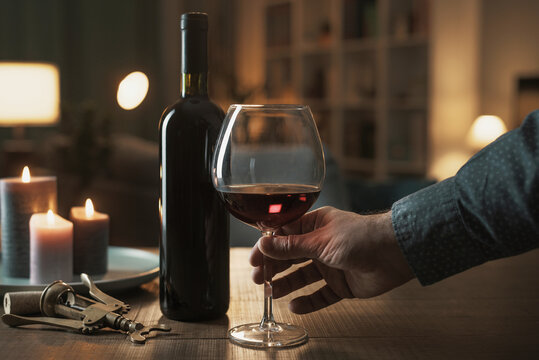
[19, 199]
[90, 239]
[51, 248]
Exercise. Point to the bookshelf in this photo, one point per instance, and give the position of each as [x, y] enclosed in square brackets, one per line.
[362, 67]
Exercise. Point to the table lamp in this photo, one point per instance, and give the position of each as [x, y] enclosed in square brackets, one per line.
[485, 129]
[132, 90]
[29, 96]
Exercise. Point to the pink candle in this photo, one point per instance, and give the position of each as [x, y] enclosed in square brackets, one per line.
[51, 248]
[90, 240]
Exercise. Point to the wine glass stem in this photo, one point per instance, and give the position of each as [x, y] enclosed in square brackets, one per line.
[268, 322]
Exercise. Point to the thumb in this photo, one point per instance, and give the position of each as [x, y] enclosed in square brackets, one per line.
[291, 246]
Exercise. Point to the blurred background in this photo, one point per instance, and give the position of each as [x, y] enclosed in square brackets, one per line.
[397, 88]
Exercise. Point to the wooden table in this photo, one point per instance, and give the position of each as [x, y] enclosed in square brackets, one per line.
[490, 312]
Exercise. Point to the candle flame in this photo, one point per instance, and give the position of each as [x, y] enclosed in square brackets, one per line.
[50, 217]
[89, 207]
[25, 175]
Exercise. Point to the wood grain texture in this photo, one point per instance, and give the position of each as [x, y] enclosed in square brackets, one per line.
[490, 312]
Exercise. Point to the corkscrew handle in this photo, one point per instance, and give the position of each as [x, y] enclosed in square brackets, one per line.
[99, 295]
[16, 320]
[22, 302]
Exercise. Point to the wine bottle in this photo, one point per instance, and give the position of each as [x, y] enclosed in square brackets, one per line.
[194, 241]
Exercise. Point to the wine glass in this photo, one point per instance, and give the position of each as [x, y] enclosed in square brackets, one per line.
[268, 167]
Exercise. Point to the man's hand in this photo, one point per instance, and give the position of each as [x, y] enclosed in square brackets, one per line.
[357, 256]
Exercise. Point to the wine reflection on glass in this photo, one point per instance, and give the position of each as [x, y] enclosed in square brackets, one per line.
[268, 167]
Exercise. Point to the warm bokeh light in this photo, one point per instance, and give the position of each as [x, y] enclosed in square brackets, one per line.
[448, 164]
[25, 177]
[484, 130]
[50, 217]
[89, 208]
[29, 93]
[132, 90]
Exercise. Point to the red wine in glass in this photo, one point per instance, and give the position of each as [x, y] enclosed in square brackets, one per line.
[269, 206]
[268, 167]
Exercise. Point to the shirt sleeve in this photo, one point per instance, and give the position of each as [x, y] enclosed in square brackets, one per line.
[487, 211]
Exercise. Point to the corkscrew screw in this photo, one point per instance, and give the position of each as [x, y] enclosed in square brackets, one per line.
[62, 307]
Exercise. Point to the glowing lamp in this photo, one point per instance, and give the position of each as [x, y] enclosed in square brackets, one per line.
[29, 93]
[132, 90]
[29, 96]
[448, 164]
[485, 129]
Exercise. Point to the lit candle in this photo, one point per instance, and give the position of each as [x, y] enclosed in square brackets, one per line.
[91, 239]
[19, 199]
[51, 248]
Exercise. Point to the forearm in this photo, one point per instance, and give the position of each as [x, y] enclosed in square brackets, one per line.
[431, 235]
[488, 210]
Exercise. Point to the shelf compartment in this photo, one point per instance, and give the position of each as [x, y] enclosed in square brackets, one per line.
[413, 41]
[359, 134]
[406, 144]
[279, 78]
[313, 48]
[316, 22]
[408, 87]
[360, 19]
[278, 24]
[360, 45]
[359, 78]
[317, 77]
[408, 18]
[359, 166]
[279, 52]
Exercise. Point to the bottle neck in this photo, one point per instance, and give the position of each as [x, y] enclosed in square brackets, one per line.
[194, 84]
[194, 55]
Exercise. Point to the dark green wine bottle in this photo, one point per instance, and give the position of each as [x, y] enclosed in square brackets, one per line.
[194, 241]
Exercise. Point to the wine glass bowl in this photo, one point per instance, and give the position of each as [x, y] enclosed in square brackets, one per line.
[268, 149]
[268, 167]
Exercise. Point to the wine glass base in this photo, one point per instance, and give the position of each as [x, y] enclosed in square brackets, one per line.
[278, 336]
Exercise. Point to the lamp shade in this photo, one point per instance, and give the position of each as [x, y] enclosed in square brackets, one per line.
[484, 130]
[132, 90]
[29, 93]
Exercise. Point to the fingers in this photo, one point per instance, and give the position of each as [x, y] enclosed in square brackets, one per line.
[303, 276]
[303, 238]
[307, 223]
[298, 279]
[275, 268]
[315, 301]
[256, 258]
[257, 261]
[292, 246]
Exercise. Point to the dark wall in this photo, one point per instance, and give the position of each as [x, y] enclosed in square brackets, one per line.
[97, 42]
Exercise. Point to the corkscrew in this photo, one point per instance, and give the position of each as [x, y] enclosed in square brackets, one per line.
[62, 307]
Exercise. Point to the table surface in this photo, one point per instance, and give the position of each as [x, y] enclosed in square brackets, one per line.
[489, 312]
